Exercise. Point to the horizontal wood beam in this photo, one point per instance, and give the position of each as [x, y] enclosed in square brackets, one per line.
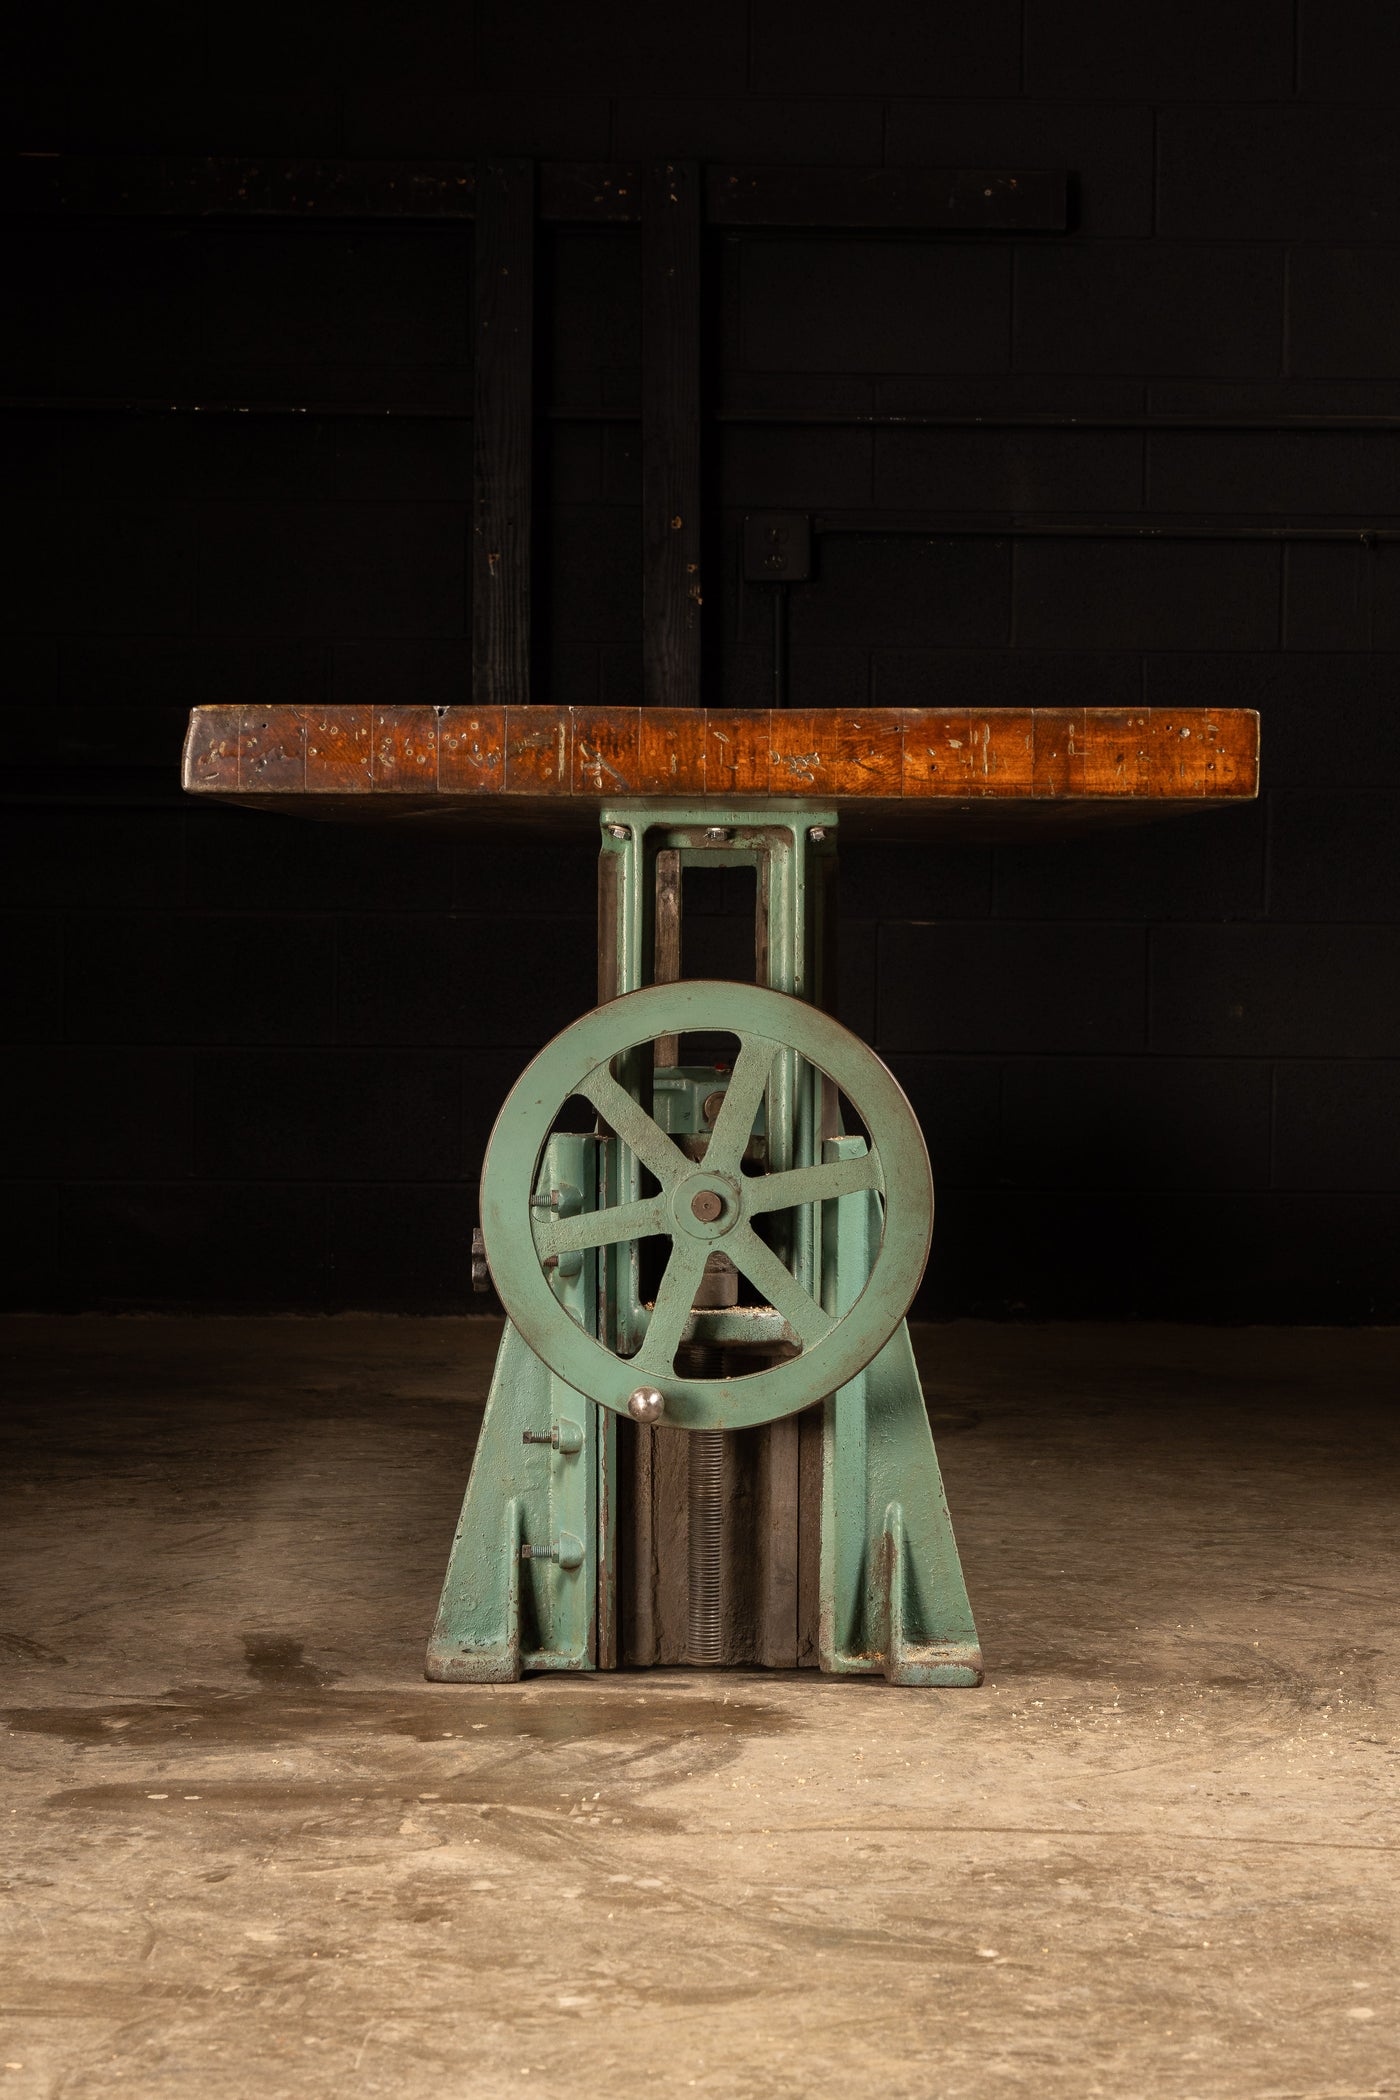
[953, 200]
[759, 418]
[555, 757]
[1092, 525]
[946, 200]
[175, 186]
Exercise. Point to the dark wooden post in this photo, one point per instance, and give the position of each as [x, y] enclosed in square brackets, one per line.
[501, 432]
[671, 590]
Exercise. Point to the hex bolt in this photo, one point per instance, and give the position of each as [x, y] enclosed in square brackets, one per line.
[567, 1550]
[617, 831]
[817, 834]
[563, 1436]
[707, 1206]
[716, 835]
[646, 1404]
[566, 1200]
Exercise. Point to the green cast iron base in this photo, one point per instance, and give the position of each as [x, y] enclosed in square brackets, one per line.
[501, 1613]
[532, 1580]
[893, 1601]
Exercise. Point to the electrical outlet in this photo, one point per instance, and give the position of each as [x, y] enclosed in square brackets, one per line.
[777, 546]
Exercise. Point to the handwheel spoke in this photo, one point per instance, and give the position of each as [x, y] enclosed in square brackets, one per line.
[839, 1177]
[768, 1274]
[674, 1303]
[734, 1123]
[634, 1126]
[600, 1228]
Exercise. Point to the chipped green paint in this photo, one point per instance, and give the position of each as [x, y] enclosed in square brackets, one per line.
[892, 1592]
[531, 1584]
[833, 1346]
[506, 1606]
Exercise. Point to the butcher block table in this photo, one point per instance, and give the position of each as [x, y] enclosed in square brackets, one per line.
[706, 1440]
[904, 770]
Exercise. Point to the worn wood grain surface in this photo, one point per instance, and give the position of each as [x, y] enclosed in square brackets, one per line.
[912, 758]
[1186, 754]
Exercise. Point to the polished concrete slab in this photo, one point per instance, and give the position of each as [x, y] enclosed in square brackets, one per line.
[250, 1852]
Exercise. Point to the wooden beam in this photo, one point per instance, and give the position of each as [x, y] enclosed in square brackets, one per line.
[554, 758]
[671, 580]
[172, 186]
[178, 186]
[590, 192]
[936, 199]
[501, 434]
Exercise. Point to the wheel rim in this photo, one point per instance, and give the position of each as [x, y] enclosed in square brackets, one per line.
[578, 1062]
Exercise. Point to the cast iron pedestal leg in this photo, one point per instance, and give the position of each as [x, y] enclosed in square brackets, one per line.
[532, 1582]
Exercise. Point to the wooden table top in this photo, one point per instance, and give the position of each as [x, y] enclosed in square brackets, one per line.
[895, 767]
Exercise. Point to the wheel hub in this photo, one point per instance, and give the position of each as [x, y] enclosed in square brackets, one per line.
[706, 1206]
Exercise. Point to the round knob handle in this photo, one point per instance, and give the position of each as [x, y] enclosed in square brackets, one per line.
[646, 1404]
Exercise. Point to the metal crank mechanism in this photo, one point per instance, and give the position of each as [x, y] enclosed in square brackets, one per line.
[706, 1439]
[708, 1206]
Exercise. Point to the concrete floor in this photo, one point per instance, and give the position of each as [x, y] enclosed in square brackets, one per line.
[251, 1853]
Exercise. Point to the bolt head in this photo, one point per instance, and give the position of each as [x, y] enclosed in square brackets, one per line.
[716, 834]
[618, 831]
[713, 1103]
[646, 1404]
[817, 834]
[707, 1206]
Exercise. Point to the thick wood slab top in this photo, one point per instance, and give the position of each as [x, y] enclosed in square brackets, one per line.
[553, 762]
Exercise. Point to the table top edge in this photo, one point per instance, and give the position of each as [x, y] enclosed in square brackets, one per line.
[592, 756]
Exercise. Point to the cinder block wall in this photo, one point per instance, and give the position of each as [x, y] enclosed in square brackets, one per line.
[255, 1061]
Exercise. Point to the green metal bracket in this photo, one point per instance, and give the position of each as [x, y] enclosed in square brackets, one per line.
[893, 1599]
[521, 1591]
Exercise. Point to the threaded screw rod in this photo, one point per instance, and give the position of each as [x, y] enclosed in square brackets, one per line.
[705, 1502]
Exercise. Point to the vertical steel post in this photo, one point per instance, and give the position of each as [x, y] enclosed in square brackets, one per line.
[646, 851]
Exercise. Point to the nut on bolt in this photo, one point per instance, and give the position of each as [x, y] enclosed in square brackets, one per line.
[564, 1436]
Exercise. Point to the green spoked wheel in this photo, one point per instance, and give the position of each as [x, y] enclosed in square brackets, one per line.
[707, 1205]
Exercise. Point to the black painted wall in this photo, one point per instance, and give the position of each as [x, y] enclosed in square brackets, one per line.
[255, 1061]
